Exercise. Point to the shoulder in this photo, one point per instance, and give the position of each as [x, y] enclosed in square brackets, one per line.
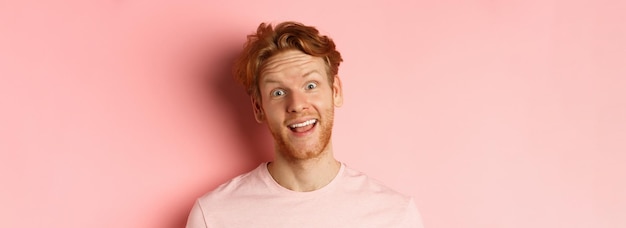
[242, 185]
[380, 199]
[359, 183]
[357, 180]
[229, 198]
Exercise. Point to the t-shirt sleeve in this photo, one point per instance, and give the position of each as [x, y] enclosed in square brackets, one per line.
[196, 217]
[413, 217]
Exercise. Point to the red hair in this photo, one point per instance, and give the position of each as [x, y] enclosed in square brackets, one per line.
[268, 41]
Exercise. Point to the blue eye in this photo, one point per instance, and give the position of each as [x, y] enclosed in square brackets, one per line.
[311, 85]
[278, 93]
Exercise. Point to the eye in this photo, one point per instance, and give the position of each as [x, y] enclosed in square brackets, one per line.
[278, 93]
[311, 85]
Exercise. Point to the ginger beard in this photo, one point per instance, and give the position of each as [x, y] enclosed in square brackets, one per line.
[296, 151]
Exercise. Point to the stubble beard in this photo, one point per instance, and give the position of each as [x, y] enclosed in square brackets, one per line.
[293, 154]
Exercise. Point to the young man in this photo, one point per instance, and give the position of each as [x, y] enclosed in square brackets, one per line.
[290, 73]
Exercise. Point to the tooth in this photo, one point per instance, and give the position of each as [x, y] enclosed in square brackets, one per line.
[305, 123]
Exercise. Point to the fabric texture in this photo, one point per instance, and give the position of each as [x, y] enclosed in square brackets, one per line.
[351, 199]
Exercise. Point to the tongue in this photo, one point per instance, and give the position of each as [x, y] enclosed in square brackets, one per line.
[303, 129]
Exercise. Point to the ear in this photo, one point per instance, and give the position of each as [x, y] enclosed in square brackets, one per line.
[337, 92]
[257, 109]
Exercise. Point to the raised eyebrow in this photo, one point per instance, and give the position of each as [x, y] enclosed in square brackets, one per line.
[266, 81]
[309, 73]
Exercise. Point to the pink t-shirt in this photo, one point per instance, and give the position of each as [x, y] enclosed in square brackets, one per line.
[351, 199]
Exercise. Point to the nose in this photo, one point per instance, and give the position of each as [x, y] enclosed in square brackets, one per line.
[298, 102]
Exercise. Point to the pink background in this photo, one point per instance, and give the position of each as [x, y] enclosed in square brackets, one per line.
[490, 113]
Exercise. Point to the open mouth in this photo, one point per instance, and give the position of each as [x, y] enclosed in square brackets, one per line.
[303, 126]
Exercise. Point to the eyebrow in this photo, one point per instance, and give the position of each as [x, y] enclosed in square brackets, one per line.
[307, 74]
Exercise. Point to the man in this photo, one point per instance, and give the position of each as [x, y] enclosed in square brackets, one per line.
[291, 75]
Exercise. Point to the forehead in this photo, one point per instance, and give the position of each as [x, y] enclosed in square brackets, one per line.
[292, 62]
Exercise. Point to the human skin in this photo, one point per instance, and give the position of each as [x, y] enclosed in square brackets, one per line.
[297, 102]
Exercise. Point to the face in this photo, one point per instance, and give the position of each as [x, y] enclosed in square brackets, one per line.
[297, 103]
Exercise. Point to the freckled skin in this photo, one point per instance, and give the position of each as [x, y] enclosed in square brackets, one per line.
[294, 87]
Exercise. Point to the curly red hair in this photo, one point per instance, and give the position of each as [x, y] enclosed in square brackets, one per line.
[269, 41]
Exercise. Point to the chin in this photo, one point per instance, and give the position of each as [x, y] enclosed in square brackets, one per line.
[304, 152]
[296, 150]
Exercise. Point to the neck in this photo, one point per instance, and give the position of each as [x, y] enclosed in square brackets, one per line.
[304, 175]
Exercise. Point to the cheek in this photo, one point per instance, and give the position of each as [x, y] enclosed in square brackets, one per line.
[324, 100]
[273, 111]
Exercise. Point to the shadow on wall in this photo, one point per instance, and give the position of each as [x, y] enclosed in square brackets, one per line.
[211, 67]
[254, 137]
